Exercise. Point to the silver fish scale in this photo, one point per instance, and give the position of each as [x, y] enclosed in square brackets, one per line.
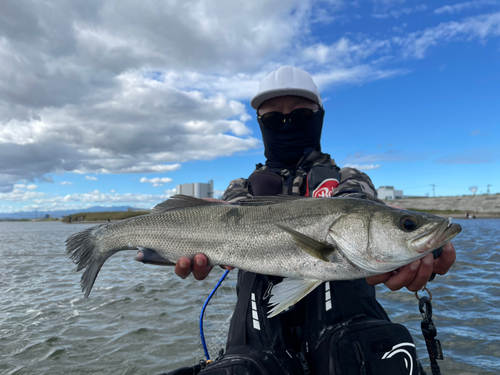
[262, 239]
[239, 236]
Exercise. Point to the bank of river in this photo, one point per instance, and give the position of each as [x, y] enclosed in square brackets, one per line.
[102, 217]
[480, 206]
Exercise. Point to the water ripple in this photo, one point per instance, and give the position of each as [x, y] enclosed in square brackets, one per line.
[142, 319]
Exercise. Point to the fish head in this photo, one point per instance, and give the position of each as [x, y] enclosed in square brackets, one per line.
[380, 238]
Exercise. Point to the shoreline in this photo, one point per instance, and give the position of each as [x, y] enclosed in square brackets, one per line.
[478, 216]
[92, 222]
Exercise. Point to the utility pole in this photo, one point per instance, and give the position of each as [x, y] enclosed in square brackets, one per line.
[488, 190]
[433, 190]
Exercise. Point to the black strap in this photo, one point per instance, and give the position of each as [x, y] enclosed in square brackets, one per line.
[429, 331]
[245, 290]
[347, 298]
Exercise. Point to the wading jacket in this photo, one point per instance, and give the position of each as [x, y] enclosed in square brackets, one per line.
[305, 322]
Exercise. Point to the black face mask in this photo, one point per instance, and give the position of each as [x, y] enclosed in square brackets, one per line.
[284, 147]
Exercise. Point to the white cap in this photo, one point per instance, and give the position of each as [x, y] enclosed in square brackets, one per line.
[287, 80]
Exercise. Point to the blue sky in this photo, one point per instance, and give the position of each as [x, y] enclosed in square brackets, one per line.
[115, 105]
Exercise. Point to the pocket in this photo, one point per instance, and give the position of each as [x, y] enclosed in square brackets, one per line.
[265, 183]
[367, 347]
[245, 360]
[321, 181]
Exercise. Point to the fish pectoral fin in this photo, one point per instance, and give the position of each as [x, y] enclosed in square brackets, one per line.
[312, 247]
[180, 201]
[149, 256]
[289, 292]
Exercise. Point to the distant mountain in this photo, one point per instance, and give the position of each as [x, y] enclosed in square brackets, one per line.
[61, 213]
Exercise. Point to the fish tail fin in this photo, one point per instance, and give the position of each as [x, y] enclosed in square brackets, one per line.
[83, 250]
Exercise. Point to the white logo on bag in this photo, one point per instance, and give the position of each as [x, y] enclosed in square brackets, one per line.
[255, 314]
[325, 189]
[397, 349]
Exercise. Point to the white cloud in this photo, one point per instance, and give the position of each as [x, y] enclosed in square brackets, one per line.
[31, 187]
[143, 94]
[344, 52]
[91, 178]
[480, 155]
[106, 88]
[396, 13]
[66, 183]
[98, 197]
[345, 59]
[363, 167]
[358, 74]
[170, 192]
[480, 27]
[128, 85]
[363, 158]
[218, 193]
[41, 201]
[457, 8]
[156, 181]
[18, 194]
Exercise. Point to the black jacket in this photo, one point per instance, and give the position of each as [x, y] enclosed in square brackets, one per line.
[305, 322]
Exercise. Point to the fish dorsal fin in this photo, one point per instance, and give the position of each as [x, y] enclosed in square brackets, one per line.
[180, 201]
[266, 200]
[312, 247]
[289, 292]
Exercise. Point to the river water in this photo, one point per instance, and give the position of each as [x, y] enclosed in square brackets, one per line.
[142, 319]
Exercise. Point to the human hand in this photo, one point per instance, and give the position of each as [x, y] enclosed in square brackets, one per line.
[415, 275]
[199, 267]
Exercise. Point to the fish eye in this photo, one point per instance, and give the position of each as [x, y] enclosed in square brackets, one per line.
[408, 223]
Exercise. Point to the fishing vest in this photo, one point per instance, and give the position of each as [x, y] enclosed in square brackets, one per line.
[291, 334]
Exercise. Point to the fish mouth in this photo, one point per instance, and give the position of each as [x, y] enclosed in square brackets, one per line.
[434, 238]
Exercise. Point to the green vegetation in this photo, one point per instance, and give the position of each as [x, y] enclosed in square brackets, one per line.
[15, 219]
[39, 220]
[104, 216]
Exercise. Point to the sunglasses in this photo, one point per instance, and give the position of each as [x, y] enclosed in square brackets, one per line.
[299, 117]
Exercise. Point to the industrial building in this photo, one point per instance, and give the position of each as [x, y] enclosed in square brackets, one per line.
[388, 192]
[197, 189]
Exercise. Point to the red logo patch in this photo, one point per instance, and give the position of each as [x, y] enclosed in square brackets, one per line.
[325, 189]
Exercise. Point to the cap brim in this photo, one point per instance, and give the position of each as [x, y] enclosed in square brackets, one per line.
[260, 98]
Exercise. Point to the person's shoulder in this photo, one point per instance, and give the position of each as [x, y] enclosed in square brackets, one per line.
[354, 182]
[317, 157]
[347, 172]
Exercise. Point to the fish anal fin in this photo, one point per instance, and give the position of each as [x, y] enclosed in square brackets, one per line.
[312, 247]
[289, 292]
[149, 256]
[180, 201]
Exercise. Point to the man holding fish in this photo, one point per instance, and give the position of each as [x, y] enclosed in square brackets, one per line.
[290, 115]
[307, 266]
[413, 276]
